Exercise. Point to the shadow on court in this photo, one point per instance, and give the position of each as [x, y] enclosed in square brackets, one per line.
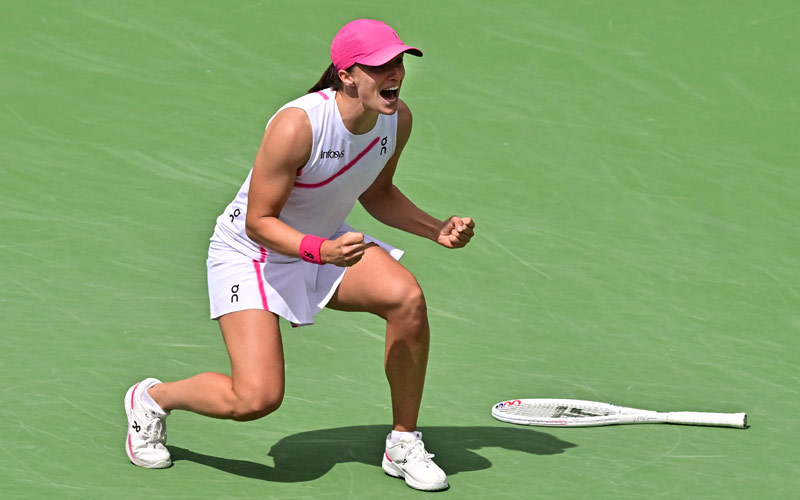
[309, 455]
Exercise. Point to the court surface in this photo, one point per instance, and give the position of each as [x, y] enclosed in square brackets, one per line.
[633, 170]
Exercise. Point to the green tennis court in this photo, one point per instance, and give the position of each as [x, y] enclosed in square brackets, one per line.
[633, 170]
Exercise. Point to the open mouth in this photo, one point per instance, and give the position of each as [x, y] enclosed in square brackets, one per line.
[390, 94]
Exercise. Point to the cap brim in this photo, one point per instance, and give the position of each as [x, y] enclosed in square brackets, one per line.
[386, 54]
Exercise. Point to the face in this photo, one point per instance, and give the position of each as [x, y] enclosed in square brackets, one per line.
[378, 86]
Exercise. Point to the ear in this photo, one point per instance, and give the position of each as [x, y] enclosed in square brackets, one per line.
[346, 77]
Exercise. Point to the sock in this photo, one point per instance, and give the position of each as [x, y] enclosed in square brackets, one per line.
[398, 436]
[150, 403]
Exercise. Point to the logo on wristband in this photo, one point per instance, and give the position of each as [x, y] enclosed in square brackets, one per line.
[310, 247]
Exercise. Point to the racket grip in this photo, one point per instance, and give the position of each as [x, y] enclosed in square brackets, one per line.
[738, 420]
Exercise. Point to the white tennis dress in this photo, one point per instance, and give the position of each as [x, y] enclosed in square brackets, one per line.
[245, 275]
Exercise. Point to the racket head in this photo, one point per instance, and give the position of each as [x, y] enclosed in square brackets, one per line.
[557, 412]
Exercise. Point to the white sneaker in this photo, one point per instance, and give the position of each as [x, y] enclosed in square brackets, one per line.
[147, 430]
[408, 460]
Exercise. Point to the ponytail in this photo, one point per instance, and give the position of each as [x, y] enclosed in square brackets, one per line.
[329, 80]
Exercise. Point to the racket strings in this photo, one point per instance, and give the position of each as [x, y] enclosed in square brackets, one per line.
[555, 411]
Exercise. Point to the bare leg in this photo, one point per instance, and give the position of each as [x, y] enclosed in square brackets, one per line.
[256, 385]
[380, 285]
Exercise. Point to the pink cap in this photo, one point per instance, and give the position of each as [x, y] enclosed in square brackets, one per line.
[368, 42]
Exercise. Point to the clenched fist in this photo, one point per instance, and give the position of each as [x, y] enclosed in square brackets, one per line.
[345, 250]
[456, 232]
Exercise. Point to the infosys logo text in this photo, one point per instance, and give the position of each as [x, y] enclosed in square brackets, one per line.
[332, 154]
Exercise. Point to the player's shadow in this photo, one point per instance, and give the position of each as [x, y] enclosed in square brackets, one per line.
[309, 455]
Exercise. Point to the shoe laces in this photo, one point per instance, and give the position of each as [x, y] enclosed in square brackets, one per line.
[155, 431]
[416, 452]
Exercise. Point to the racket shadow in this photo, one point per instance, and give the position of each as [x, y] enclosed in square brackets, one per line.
[307, 456]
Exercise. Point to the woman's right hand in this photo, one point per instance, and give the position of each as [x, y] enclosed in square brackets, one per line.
[345, 250]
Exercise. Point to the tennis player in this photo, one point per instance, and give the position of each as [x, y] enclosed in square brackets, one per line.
[282, 249]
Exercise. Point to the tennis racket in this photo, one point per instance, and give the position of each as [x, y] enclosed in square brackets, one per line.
[577, 413]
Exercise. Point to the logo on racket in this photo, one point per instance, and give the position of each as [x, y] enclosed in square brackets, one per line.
[508, 403]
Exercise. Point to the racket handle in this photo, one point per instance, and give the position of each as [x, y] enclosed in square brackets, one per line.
[738, 420]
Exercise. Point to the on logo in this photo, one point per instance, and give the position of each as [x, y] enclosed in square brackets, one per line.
[384, 141]
[235, 292]
[236, 213]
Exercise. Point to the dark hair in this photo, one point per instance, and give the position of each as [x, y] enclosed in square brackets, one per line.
[329, 80]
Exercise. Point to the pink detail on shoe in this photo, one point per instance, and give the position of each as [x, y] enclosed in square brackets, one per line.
[134, 392]
[130, 447]
[343, 170]
[387, 457]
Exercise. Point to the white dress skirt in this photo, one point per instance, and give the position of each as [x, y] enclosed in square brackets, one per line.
[291, 288]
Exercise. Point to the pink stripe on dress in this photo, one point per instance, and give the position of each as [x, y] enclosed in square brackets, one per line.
[323, 94]
[257, 267]
[343, 170]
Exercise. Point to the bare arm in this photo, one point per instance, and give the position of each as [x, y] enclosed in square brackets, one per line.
[384, 201]
[285, 148]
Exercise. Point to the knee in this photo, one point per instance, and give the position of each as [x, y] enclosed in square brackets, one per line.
[407, 314]
[257, 405]
[414, 303]
[407, 305]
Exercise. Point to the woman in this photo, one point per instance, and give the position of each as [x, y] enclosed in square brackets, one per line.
[282, 249]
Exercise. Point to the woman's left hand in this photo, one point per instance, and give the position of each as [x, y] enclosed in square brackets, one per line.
[456, 232]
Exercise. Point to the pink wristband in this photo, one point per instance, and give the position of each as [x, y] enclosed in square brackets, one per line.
[310, 248]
